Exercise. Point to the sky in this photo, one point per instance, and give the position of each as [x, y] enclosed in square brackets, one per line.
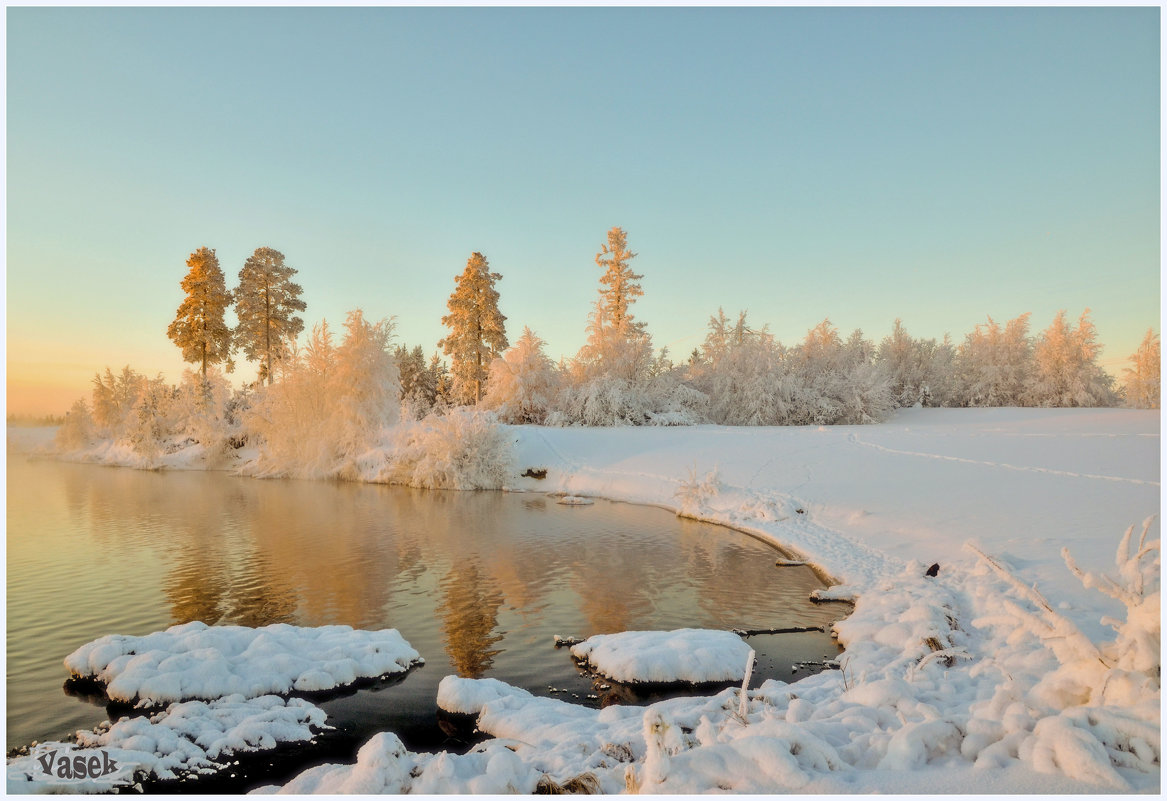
[933, 165]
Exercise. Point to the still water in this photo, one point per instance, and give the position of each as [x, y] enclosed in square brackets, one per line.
[478, 582]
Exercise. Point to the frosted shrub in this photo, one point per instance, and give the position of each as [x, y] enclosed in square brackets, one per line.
[836, 383]
[331, 405]
[113, 401]
[463, 449]
[523, 383]
[154, 420]
[201, 409]
[77, 432]
[1065, 367]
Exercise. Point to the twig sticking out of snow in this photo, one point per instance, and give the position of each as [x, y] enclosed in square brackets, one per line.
[1130, 571]
[744, 704]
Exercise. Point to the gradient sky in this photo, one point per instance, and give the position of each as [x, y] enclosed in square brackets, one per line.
[937, 165]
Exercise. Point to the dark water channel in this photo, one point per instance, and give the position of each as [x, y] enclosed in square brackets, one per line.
[478, 582]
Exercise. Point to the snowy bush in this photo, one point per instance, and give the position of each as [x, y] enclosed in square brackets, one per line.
[78, 431]
[201, 409]
[523, 383]
[464, 449]
[331, 405]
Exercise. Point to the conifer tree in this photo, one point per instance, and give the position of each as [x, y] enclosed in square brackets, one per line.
[265, 303]
[199, 328]
[618, 345]
[477, 332]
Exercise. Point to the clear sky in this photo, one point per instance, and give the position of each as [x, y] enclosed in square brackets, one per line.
[937, 165]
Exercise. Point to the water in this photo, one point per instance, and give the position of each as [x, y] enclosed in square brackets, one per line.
[478, 582]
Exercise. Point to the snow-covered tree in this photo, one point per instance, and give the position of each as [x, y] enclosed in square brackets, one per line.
[199, 327]
[737, 368]
[266, 301]
[332, 404]
[419, 384]
[835, 382]
[993, 364]
[618, 345]
[77, 431]
[1142, 381]
[1065, 366]
[366, 388]
[477, 331]
[919, 369]
[113, 400]
[523, 382]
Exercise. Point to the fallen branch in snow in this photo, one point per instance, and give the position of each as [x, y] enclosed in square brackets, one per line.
[1064, 638]
[752, 632]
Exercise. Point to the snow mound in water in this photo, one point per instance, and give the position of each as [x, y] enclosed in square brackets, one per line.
[194, 736]
[197, 661]
[684, 655]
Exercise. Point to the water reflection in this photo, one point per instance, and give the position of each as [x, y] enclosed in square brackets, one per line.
[477, 582]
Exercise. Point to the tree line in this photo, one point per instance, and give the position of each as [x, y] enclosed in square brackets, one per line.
[740, 375]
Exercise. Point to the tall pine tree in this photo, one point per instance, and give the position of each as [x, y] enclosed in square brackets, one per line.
[618, 345]
[265, 302]
[199, 328]
[477, 332]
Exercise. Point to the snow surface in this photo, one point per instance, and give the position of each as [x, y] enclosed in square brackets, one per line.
[1008, 672]
[685, 655]
[197, 661]
[194, 736]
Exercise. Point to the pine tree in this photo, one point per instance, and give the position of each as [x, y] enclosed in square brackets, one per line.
[477, 332]
[265, 302]
[618, 345]
[1142, 382]
[621, 284]
[199, 328]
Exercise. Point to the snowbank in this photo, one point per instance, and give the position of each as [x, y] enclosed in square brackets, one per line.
[696, 656]
[385, 766]
[196, 661]
[191, 737]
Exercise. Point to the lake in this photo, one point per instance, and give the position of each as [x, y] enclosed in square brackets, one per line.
[478, 582]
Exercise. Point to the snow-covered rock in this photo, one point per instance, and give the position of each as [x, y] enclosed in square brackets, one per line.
[197, 661]
[696, 656]
[189, 737]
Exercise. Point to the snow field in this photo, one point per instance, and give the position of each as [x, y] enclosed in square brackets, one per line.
[197, 661]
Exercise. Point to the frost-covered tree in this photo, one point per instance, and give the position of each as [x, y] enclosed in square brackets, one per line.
[920, 370]
[737, 368]
[266, 301]
[419, 384]
[1065, 366]
[366, 387]
[523, 382]
[993, 364]
[332, 404]
[77, 431]
[113, 400]
[835, 382]
[618, 346]
[199, 327]
[477, 330]
[1141, 382]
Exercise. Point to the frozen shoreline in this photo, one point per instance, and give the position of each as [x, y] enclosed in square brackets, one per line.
[874, 506]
